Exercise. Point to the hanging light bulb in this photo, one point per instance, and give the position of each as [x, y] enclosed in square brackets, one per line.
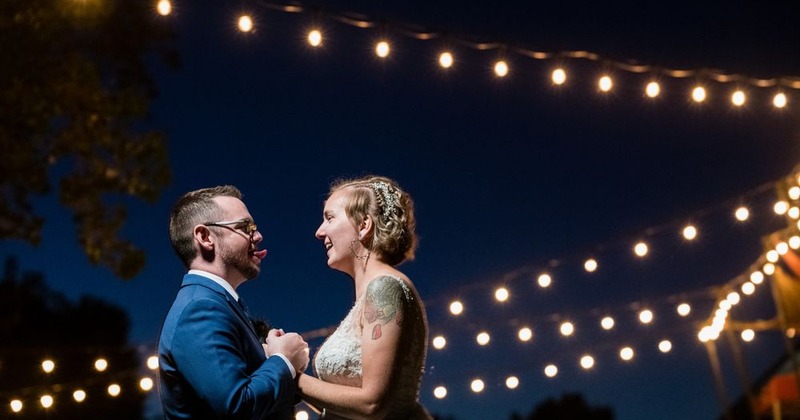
[559, 76]
[652, 89]
[164, 7]
[245, 23]
[382, 49]
[738, 98]
[742, 214]
[779, 100]
[446, 60]
[315, 38]
[699, 94]
[689, 232]
[544, 280]
[605, 84]
[501, 68]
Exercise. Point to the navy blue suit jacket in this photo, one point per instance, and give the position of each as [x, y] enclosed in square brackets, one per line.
[211, 363]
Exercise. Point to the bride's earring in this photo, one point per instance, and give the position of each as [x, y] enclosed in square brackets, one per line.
[353, 250]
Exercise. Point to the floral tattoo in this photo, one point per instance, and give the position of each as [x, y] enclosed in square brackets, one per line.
[383, 303]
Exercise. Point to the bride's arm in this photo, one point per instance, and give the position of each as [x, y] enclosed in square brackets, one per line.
[382, 320]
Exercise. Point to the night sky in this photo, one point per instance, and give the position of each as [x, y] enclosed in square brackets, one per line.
[511, 177]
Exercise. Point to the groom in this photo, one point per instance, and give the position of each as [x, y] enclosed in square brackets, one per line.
[211, 363]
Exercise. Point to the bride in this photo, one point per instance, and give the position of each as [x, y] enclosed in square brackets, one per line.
[371, 366]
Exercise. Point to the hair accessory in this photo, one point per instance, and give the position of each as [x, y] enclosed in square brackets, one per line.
[388, 194]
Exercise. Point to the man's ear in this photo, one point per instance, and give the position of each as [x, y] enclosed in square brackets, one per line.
[202, 236]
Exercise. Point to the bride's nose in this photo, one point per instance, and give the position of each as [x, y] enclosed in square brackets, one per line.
[319, 234]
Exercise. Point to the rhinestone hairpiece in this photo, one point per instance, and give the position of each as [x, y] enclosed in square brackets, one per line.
[389, 198]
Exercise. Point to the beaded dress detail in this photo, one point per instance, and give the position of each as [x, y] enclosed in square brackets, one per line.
[339, 359]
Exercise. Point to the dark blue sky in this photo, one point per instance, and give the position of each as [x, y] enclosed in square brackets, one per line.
[508, 176]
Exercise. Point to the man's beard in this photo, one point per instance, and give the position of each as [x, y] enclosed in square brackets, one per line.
[240, 261]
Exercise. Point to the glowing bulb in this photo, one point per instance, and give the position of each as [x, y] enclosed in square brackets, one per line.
[114, 390]
[439, 342]
[456, 308]
[699, 94]
[794, 242]
[512, 382]
[646, 316]
[769, 269]
[640, 249]
[152, 362]
[146, 384]
[781, 207]
[315, 38]
[382, 49]
[684, 309]
[301, 415]
[482, 338]
[690, 232]
[440, 392]
[525, 334]
[501, 68]
[793, 212]
[772, 256]
[101, 365]
[48, 366]
[605, 84]
[550, 371]
[748, 288]
[544, 280]
[559, 76]
[733, 298]
[79, 395]
[590, 265]
[164, 7]
[782, 248]
[567, 329]
[779, 101]
[607, 323]
[738, 98]
[652, 90]
[245, 23]
[626, 353]
[742, 214]
[16, 406]
[587, 362]
[757, 277]
[501, 294]
[446, 60]
[46, 401]
[748, 335]
[794, 192]
[476, 385]
[665, 346]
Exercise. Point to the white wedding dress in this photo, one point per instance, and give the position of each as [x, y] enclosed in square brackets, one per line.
[338, 360]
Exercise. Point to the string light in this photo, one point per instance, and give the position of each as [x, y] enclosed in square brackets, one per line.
[652, 89]
[665, 346]
[446, 60]
[587, 362]
[483, 338]
[684, 309]
[525, 334]
[742, 214]
[689, 232]
[315, 38]
[640, 249]
[100, 365]
[501, 68]
[146, 384]
[699, 94]
[476, 385]
[738, 98]
[757, 277]
[114, 390]
[748, 335]
[301, 415]
[512, 382]
[456, 308]
[551, 371]
[46, 401]
[79, 395]
[605, 84]
[646, 316]
[245, 23]
[544, 280]
[779, 100]
[559, 76]
[439, 342]
[748, 288]
[164, 7]
[382, 49]
[48, 366]
[590, 265]
[152, 362]
[440, 392]
[567, 329]
[626, 354]
[607, 323]
[501, 294]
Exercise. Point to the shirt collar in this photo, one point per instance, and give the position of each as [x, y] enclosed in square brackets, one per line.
[217, 279]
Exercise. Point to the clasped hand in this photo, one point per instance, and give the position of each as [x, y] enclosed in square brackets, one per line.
[290, 345]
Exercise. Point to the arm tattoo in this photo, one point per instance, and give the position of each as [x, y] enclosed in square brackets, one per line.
[383, 303]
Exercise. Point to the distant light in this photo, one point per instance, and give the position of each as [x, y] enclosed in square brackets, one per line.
[748, 335]
[152, 362]
[699, 94]
[550, 371]
[748, 288]
[590, 265]
[665, 346]
[794, 242]
[446, 60]
[559, 76]
[587, 362]
[440, 392]
[48, 366]
[382, 49]
[482, 338]
[626, 353]
[456, 308]
[640, 249]
[781, 207]
[652, 90]
[439, 342]
[476, 385]
[146, 384]
[245, 23]
[742, 214]
[164, 7]
[567, 329]
[544, 280]
[769, 269]
[79, 395]
[772, 256]
[782, 248]
[605, 84]
[315, 38]
[501, 294]
[114, 390]
[525, 334]
[794, 212]
[757, 277]
[733, 298]
[607, 323]
[690, 232]
[501, 68]
[779, 101]
[46, 401]
[646, 316]
[101, 364]
[16, 406]
[684, 309]
[738, 98]
[794, 192]
[301, 415]
[512, 382]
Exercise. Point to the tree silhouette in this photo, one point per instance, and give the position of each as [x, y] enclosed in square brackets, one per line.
[37, 324]
[569, 407]
[74, 93]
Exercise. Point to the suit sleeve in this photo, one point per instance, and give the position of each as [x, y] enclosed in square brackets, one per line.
[216, 354]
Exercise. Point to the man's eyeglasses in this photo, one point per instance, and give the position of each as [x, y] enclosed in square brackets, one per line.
[249, 228]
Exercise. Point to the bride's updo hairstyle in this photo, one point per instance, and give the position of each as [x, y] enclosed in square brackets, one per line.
[394, 238]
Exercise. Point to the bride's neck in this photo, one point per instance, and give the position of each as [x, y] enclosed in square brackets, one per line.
[364, 273]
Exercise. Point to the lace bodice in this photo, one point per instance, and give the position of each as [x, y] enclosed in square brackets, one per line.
[339, 359]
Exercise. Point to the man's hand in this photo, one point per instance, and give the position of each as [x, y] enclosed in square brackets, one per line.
[290, 345]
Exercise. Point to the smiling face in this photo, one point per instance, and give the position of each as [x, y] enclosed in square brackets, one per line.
[337, 233]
